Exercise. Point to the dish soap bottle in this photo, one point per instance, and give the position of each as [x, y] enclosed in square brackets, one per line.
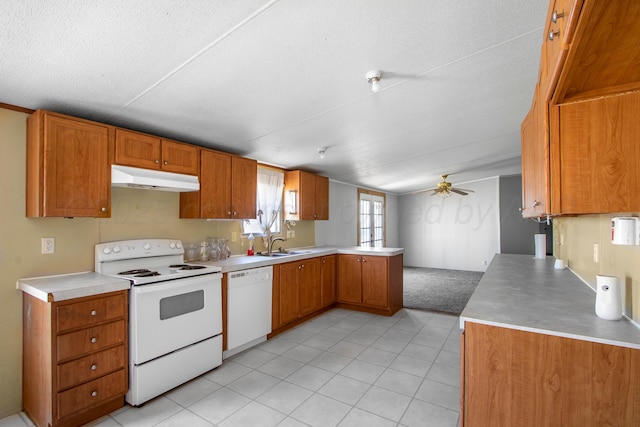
[250, 250]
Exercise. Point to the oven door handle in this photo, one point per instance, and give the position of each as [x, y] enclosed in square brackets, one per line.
[168, 285]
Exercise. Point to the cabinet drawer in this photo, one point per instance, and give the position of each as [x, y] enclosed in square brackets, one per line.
[90, 367]
[91, 393]
[91, 339]
[90, 312]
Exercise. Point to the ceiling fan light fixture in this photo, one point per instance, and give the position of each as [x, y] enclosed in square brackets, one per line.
[321, 152]
[373, 77]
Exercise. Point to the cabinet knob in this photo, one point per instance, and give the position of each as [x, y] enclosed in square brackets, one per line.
[94, 367]
[535, 203]
[94, 393]
[93, 312]
[157, 161]
[235, 213]
[555, 15]
[364, 259]
[94, 340]
[103, 209]
[553, 34]
[166, 163]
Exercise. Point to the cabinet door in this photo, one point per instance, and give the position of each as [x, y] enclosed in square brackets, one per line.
[73, 177]
[322, 197]
[599, 156]
[375, 283]
[327, 280]
[137, 150]
[307, 196]
[180, 158]
[309, 285]
[215, 182]
[535, 163]
[244, 184]
[349, 279]
[289, 292]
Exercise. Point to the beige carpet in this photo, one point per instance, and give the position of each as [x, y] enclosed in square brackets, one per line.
[438, 290]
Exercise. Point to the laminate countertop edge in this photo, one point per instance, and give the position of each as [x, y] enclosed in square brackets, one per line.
[523, 293]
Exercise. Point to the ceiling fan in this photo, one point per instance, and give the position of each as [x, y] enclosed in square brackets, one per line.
[445, 189]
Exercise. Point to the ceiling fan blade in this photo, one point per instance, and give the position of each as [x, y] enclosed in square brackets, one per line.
[461, 192]
[424, 191]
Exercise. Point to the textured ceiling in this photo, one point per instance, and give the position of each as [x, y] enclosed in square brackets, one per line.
[276, 80]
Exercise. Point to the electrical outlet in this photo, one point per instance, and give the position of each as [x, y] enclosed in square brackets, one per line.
[234, 236]
[293, 234]
[561, 239]
[48, 245]
[288, 234]
[596, 254]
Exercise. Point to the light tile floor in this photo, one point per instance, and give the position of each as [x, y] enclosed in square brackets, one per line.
[342, 368]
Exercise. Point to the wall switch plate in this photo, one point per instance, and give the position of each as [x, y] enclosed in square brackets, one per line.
[596, 254]
[293, 234]
[48, 245]
[234, 236]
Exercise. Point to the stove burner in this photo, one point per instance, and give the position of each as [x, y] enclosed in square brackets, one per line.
[131, 272]
[147, 274]
[187, 267]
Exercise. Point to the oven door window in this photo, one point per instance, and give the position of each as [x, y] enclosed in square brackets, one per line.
[177, 305]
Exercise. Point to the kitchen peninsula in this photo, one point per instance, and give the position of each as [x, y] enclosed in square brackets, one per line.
[533, 351]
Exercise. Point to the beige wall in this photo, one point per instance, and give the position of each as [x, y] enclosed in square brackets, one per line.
[574, 238]
[135, 214]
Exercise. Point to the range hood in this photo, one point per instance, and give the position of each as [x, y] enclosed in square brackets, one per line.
[147, 179]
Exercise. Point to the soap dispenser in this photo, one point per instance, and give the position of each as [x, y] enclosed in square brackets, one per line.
[250, 250]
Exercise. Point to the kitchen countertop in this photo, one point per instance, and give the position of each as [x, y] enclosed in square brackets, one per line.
[243, 262]
[67, 286]
[520, 292]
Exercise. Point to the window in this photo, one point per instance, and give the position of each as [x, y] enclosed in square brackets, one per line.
[371, 230]
[268, 202]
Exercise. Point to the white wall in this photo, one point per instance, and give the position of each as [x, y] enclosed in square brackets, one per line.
[459, 232]
[342, 227]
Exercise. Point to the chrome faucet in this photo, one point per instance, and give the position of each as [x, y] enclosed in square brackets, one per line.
[272, 241]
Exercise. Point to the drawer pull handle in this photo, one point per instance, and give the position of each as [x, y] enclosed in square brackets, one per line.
[555, 16]
[94, 367]
[553, 35]
[93, 312]
[94, 393]
[94, 340]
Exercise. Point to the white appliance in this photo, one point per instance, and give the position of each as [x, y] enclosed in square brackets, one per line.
[249, 299]
[175, 313]
[625, 230]
[608, 297]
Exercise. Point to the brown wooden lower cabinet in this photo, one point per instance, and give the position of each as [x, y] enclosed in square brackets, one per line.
[370, 283]
[74, 358]
[516, 378]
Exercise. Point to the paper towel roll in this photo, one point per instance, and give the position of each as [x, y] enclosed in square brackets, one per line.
[540, 241]
[608, 297]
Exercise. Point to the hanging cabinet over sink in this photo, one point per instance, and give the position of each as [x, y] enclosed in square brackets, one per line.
[579, 140]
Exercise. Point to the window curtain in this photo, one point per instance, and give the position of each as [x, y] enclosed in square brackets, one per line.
[270, 187]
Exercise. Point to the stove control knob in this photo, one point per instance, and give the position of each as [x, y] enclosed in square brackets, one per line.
[106, 250]
[146, 246]
[172, 245]
[116, 249]
[179, 245]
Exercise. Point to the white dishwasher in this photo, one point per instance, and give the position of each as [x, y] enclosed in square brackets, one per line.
[249, 301]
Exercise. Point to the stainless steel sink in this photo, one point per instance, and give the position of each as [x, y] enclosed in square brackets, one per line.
[288, 253]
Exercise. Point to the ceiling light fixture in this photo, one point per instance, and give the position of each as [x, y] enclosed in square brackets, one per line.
[321, 152]
[374, 77]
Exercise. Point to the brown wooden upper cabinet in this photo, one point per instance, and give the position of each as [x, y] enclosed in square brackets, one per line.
[312, 194]
[150, 152]
[579, 141]
[228, 186]
[68, 166]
